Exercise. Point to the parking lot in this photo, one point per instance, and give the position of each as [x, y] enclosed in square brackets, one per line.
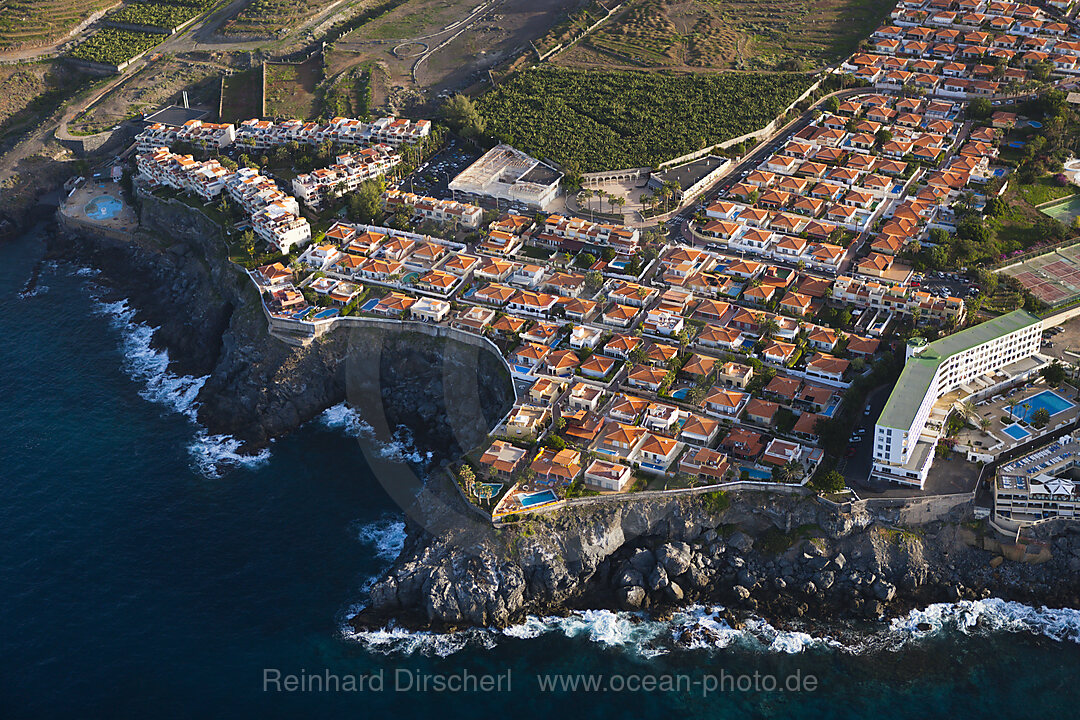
[946, 284]
[857, 464]
[1063, 342]
[432, 177]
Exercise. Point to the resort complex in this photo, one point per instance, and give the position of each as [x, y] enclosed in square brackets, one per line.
[729, 327]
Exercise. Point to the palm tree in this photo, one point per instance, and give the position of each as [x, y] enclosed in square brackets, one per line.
[969, 409]
[645, 199]
[769, 328]
[673, 188]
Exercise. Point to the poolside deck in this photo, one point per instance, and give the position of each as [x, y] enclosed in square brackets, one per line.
[1001, 411]
[75, 207]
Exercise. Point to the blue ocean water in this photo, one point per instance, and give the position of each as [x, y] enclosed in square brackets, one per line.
[144, 572]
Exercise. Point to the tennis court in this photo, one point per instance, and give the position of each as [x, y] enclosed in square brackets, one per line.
[1053, 277]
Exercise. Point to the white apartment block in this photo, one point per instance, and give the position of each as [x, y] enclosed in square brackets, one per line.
[182, 172]
[264, 134]
[429, 208]
[575, 233]
[253, 191]
[275, 216]
[279, 226]
[197, 132]
[345, 175]
[965, 361]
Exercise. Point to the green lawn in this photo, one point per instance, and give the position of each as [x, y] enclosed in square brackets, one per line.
[1044, 190]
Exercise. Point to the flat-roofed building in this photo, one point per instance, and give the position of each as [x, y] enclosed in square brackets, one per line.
[504, 173]
[903, 443]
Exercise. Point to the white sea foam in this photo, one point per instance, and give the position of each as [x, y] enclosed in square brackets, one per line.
[344, 418]
[214, 453]
[397, 641]
[386, 535]
[211, 454]
[701, 628]
[401, 447]
[38, 288]
[986, 616]
[149, 366]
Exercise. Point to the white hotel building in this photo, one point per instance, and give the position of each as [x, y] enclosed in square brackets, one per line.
[935, 376]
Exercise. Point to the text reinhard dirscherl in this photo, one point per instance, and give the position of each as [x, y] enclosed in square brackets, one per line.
[405, 680]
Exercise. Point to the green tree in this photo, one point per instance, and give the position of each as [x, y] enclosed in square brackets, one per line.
[247, 241]
[830, 482]
[1054, 373]
[593, 281]
[363, 205]
[979, 109]
[1040, 417]
[463, 116]
[554, 442]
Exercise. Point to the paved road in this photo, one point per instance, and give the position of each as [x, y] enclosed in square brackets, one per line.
[857, 469]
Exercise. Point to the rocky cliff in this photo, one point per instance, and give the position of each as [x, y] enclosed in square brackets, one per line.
[782, 557]
[209, 318]
[779, 557]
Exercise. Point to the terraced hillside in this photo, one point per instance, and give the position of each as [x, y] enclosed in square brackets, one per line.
[32, 23]
[275, 18]
[745, 34]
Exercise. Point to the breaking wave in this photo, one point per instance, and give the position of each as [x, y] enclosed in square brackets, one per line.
[211, 454]
[701, 628]
[401, 447]
[386, 535]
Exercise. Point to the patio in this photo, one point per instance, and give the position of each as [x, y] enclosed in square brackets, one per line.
[1003, 421]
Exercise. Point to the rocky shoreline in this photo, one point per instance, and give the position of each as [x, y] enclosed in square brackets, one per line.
[782, 558]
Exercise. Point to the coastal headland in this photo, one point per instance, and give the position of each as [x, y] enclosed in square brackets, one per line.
[785, 557]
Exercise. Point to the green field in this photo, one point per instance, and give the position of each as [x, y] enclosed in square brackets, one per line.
[291, 89]
[158, 15]
[273, 18]
[592, 121]
[241, 96]
[112, 46]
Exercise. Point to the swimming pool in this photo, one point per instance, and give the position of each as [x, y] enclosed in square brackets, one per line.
[103, 207]
[327, 313]
[755, 473]
[681, 393]
[1047, 399]
[537, 498]
[1015, 431]
[370, 305]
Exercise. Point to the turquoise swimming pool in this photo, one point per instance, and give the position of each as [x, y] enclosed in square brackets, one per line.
[756, 473]
[1047, 399]
[543, 497]
[103, 207]
[1015, 431]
